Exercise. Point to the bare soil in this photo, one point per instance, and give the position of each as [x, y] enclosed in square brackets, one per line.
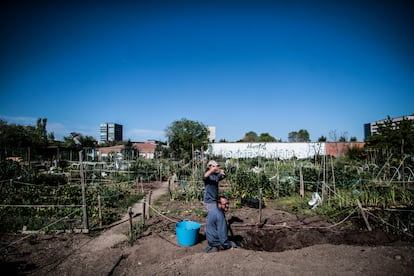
[280, 243]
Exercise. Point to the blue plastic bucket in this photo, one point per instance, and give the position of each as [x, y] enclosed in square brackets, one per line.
[187, 232]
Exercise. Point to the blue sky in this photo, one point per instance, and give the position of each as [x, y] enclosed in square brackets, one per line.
[264, 66]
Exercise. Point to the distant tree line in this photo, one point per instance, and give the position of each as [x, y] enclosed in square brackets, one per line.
[187, 138]
[25, 140]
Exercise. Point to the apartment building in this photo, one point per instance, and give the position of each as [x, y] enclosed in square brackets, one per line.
[110, 132]
[372, 128]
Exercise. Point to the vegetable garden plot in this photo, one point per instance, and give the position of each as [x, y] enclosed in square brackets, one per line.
[41, 207]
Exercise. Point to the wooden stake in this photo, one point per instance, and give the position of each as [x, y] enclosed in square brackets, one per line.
[131, 227]
[148, 204]
[100, 210]
[333, 176]
[260, 205]
[143, 210]
[169, 188]
[161, 173]
[302, 187]
[364, 215]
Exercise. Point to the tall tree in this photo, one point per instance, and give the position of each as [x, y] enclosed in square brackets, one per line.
[17, 138]
[250, 136]
[342, 139]
[335, 137]
[393, 137]
[299, 136]
[41, 129]
[184, 136]
[266, 137]
[87, 141]
[322, 139]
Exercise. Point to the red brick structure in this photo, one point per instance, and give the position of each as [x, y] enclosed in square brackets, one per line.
[338, 149]
[145, 150]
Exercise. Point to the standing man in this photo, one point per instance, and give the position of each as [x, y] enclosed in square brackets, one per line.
[211, 178]
[216, 228]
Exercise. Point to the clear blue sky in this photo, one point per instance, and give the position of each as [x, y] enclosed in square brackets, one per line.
[264, 66]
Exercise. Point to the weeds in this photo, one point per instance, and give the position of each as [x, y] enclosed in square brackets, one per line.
[138, 229]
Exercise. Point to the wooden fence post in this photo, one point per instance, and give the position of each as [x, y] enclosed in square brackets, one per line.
[143, 210]
[169, 188]
[260, 205]
[131, 227]
[100, 210]
[148, 204]
[302, 186]
[364, 215]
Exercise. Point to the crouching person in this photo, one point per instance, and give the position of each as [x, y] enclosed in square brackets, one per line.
[216, 228]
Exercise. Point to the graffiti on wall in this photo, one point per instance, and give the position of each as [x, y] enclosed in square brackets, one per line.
[266, 150]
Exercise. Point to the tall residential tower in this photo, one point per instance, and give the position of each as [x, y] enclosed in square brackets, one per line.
[110, 132]
[372, 128]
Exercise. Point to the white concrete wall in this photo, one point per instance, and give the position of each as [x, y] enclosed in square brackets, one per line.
[267, 150]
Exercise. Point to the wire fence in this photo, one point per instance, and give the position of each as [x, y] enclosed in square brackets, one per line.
[125, 188]
[30, 205]
[146, 202]
[42, 229]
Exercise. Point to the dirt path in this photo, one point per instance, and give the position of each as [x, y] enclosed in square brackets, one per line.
[99, 256]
